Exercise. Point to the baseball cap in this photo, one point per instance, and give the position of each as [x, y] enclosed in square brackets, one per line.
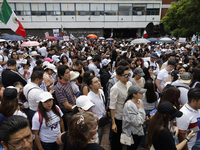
[6, 51]
[89, 58]
[160, 61]
[84, 102]
[63, 47]
[48, 59]
[139, 71]
[134, 89]
[171, 62]
[154, 55]
[10, 93]
[56, 60]
[186, 77]
[44, 96]
[52, 67]
[168, 108]
[105, 62]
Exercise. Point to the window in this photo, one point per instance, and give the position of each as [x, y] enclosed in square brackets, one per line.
[153, 9]
[125, 9]
[23, 9]
[111, 9]
[53, 9]
[38, 9]
[97, 9]
[139, 9]
[67, 9]
[82, 9]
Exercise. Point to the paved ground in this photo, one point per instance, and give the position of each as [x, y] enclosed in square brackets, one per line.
[105, 143]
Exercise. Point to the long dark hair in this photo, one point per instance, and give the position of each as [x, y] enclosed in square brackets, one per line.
[42, 111]
[150, 93]
[172, 95]
[147, 74]
[8, 107]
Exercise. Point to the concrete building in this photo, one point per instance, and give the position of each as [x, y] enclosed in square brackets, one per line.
[80, 17]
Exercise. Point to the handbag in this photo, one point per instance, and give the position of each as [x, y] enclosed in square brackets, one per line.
[105, 119]
[126, 140]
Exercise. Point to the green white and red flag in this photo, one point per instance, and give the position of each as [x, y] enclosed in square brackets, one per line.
[8, 17]
[63, 33]
[144, 35]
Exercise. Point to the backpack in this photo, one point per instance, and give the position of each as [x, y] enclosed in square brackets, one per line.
[168, 86]
[154, 67]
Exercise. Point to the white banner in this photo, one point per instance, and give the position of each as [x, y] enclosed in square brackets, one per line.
[182, 40]
[46, 34]
[56, 32]
[66, 38]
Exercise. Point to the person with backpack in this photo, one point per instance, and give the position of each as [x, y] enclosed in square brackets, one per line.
[153, 63]
[47, 123]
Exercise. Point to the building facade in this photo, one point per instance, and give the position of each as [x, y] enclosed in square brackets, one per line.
[81, 17]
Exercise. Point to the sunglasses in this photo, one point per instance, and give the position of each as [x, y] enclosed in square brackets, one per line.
[126, 75]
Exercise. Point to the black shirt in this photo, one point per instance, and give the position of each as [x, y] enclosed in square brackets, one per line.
[164, 141]
[68, 146]
[9, 77]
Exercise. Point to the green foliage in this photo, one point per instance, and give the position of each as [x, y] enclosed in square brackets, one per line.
[183, 18]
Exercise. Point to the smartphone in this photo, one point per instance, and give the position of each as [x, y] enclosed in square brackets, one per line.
[195, 129]
[53, 88]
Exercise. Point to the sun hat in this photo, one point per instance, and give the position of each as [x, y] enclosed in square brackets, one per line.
[52, 67]
[84, 102]
[44, 96]
[105, 62]
[134, 89]
[74, 75]
[139, 71]
[89, 58]
[168, 108]
[34, 53]
[186, 77]
[25, 55]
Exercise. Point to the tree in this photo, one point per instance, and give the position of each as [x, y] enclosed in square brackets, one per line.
[182, 18]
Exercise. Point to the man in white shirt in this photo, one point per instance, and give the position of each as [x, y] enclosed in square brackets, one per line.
[118, 95]
[96, 96]
[164, 75]
[32, 91]
[190, 118]
[43, 50]
[4, 58]
[93, 65]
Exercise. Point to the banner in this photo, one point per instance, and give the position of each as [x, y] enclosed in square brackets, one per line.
[182, 40]
[66, 38]
[56, 32]
[46, 34]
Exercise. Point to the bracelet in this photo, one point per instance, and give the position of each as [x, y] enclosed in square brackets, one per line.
[187, 140]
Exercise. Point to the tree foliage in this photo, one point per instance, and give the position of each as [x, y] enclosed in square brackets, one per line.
[183, 18]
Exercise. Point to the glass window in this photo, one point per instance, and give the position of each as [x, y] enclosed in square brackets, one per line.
[82, 9]
[53, 9]
[153, 9]
[139, 9]
[23, 9]
[97, 9]
[111, 9]
[67, 9]
[125, 9]
[38, 9]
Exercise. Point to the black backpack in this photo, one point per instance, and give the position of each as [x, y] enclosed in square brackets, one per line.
[168, 86]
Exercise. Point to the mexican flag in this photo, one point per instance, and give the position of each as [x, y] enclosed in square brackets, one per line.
[63, 33]
[8, 17]
[198, 39]
[144, 35]
[111, 34]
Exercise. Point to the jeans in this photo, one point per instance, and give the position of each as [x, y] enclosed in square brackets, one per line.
[136, 140]
[50, 146]
[31, 113]
[100, 132]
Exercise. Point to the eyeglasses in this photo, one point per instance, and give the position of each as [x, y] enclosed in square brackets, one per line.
[21, 143]
[126, 75]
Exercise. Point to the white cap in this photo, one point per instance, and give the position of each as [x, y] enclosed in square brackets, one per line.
[52, 67]
[118, 50]
[44, 96]
[55, 57]
[89, 58]
[84, 102]
[56, 60]
[74, 75]
[182, 48]
[34, 53]
[105, 62]
[63, 47]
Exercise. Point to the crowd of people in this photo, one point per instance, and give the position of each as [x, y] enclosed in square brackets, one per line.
[66, 92]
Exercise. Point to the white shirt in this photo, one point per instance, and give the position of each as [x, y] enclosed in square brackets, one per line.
[33, 95]
[43, 51]
[163, 75]
[74, 86]
[48, 134]
[28, 74]
[99, 105]
[155, 66]
[93, 67]
[188, 118]
[19, 113]
[4, 59]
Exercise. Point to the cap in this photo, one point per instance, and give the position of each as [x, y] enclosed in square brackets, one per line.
[186, 77]
[139, 71]
[11, 62]
[56, 60]
[160, 61]
[105, 62]
[63, 47]
[25, 62]
[55, 57]
[20, 52]
[52, 67]
[154, 55]
[134, 89]
[44, 96]
[74, 75]
[169, 109]
[171, 62]
[48, 59]
[25, 55]
[34, 53]
[89, 58]
[118, 50]
[6, 51]
[84, 102]
[10, 93]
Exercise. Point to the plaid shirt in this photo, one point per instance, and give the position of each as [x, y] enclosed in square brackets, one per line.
[64, 93]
